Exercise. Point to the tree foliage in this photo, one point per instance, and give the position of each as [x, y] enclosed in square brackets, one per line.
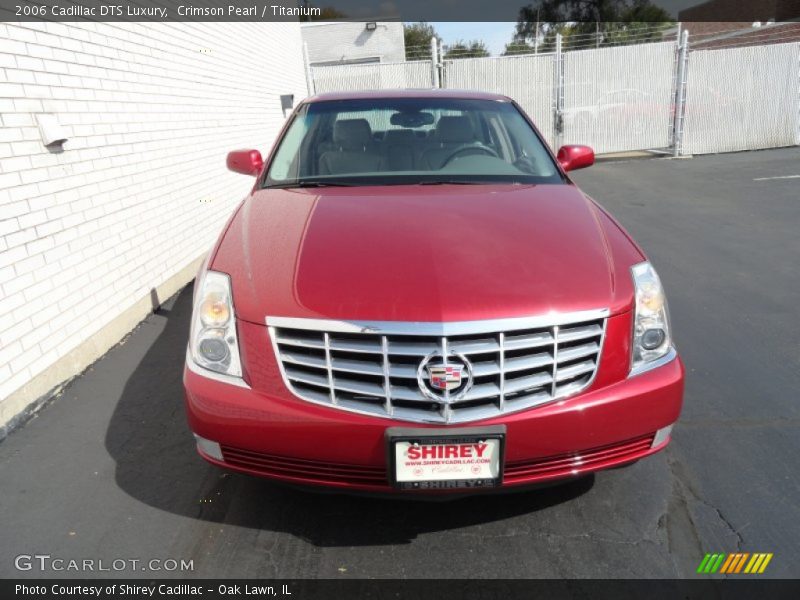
[462, 49]
[518, 47]
[616, 21]
[417, 37]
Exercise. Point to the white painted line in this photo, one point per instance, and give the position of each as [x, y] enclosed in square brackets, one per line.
[779, 177]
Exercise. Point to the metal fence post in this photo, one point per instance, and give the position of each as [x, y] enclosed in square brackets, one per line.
[797, 128]
[435, 62]
[680, 94]
[309, 75]
[558, 93]
[441, 66]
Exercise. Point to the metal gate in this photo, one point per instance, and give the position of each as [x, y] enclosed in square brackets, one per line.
[620, 98]
[742, 99]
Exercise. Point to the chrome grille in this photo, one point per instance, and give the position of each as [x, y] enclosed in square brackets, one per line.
[374, 367]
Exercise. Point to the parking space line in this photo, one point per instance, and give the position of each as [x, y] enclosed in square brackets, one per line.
[777, 177]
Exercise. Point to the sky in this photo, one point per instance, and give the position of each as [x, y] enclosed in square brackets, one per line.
[494, 35]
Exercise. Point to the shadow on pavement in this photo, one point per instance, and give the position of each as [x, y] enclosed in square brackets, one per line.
[156, 463]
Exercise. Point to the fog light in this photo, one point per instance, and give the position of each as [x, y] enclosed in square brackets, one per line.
[214, 348]
[662, 435]
[653, 338]
[208, 447]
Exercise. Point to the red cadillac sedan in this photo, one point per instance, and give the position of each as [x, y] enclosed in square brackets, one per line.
[415, 297]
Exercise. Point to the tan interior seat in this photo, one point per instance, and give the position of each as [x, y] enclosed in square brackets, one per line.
[353, 150]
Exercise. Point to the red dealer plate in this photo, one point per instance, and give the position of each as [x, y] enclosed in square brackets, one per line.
[426, 459]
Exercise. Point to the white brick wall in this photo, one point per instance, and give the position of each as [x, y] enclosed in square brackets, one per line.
[141, 189]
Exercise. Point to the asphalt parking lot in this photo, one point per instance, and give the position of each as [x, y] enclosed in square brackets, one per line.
[108, 469]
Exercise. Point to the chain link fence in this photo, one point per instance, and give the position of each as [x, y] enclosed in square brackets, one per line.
[647, 96]
[528, 79]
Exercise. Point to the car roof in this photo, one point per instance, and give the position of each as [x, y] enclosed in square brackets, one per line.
[416, 93]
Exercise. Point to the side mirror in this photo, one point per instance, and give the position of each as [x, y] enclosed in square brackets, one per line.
[575, 157]
[246, 162]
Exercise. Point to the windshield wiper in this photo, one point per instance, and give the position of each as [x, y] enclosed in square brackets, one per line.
[312, 184]
[450, 182]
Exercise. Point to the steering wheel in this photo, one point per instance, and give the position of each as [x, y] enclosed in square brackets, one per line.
[469, 150]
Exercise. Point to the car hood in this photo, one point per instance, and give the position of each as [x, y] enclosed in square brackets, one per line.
[421, 253]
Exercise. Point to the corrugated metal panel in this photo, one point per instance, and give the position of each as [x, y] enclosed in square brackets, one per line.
[620, 98]
[742, 99]
[372, 76]
[527, 79]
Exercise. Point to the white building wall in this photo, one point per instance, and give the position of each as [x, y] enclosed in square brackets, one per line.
[350, 42]
[140, 190]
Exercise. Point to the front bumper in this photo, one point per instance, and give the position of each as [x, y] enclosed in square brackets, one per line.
[284, 438]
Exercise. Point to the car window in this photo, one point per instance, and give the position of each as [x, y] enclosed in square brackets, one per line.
[394, 141]
[284, 165]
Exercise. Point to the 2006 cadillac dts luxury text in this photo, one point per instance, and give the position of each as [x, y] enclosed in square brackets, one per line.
[415, 297]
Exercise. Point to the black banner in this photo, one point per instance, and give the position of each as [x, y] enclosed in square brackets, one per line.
[442, 589]
[388, 10]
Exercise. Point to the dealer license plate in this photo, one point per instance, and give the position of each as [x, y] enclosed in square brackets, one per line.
[435, 459]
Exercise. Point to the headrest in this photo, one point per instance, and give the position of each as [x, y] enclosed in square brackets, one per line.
[454, 130]
[352, 134]
[399, 136]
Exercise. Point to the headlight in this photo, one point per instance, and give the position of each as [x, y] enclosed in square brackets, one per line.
[213, 343]
[651, 338]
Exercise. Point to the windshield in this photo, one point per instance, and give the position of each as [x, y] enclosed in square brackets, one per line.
[396, 141]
